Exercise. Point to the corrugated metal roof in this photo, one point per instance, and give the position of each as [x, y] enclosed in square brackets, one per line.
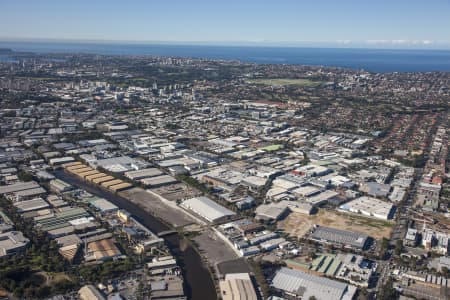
[207, 208]
[307, 285]
[19, 186]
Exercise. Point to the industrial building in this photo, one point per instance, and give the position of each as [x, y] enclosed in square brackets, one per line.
[94, 176]
[371, 207]
[87, 173]
[322, 198]
[31, 205]
[99, 180]
[300, 285]
[103, 205]
[119, 164]
[102, 250]
[272, 244]
[208, 209]
[107, 184]
[237, 286]
[61, 219]
[339, 237]
[375, 189]
[89, 292]
[28, 194]
[12, 242]
[19, 186]
[60, 160]
[300, 207]
[120, 187]
[273, 211]
[306, 191]
[59, 186]
[265, 236]
[158, 181]
[254, 183]
[73, 166]
[81, 170]
[162, 263]
[313, 170]
[222, 177]
[249, 251]
[144, 173]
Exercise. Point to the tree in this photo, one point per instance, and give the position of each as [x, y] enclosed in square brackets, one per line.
[24, 176]
[387, 291]
[398, 247]
[384, 247]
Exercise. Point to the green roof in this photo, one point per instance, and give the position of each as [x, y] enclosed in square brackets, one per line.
[61, 219]
[334, 267]
[326, 264]
[297, 263]
[316, 263]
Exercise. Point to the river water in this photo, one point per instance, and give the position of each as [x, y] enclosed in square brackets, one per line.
[198, 282]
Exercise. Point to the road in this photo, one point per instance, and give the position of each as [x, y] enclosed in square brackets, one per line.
[403, 213]
[400, 229]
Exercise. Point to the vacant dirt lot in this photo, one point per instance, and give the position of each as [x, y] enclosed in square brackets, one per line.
[298, 224]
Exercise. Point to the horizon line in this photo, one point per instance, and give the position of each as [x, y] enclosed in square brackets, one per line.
[338, 44]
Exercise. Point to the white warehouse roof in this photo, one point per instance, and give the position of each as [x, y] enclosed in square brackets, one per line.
[306, 285]
[370, 207]
[207, 208]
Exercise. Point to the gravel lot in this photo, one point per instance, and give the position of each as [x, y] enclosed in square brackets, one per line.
[215, 250]
[156, 207]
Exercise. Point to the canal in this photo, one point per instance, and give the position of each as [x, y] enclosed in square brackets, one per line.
[198, 282]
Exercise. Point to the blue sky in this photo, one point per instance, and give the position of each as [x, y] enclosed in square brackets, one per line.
[394, 23]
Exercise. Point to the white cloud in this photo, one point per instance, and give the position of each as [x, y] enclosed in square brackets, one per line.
[376, 42]
[344, 42]
[400, 42]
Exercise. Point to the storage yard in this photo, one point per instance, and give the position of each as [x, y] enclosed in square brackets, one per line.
[151, 203]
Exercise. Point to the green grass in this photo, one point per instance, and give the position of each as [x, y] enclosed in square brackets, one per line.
[371, 222]
[285, 82]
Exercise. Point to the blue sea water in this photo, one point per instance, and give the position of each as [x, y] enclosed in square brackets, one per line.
[375, 60]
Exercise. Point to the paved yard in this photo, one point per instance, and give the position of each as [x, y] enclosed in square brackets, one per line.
[215, 250]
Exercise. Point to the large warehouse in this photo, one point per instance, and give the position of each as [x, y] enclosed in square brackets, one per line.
[237, 286]
[143, 173]
[302, 285]
[345, 238]
[208, 209]
[12, 242]
[371, 207]
[19, 186]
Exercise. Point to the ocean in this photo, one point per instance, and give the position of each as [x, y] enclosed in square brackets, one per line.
[374, 60]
